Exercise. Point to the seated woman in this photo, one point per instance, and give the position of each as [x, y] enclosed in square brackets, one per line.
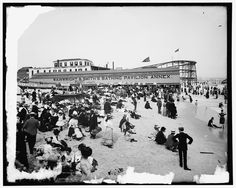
[78, 134]
[153, 99]
[160, 137]
[67, 160]
[171, 144]
[78, 156]
[56, 142]
[48, 155]
[153, 135]
[128, 128]
[84, 167]
[147, 105]
[211, 124]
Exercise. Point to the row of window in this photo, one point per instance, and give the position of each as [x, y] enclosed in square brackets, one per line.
[75, 63]
[64, 70]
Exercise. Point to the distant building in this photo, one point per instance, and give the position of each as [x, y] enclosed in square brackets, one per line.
[66, 65]
[165, 76]
[79, 72]
[187, 70]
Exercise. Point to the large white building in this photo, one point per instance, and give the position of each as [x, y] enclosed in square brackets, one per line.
[66, 65]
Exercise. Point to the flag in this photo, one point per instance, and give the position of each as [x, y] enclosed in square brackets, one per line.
[146, 60]
[176, 50]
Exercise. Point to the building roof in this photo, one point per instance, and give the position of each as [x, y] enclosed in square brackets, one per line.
[52, 74]
[71, 59]
[159, 64]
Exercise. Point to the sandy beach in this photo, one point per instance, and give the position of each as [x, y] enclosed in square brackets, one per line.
[146, 156]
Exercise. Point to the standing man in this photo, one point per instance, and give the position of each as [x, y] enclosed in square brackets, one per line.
[34, 95]
[135, 103]
[40, 96]
[183, 147]
[30, 129]
[35, 109]
[196, 104]
[23, 112]
[159, 104]
[107, 107]
[93, 124]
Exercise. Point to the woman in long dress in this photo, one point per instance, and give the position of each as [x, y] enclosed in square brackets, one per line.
[61, 122]
[164, 108]
[108, 135]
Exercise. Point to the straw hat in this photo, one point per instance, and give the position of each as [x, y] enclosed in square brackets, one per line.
[74, 113]
[32, 113]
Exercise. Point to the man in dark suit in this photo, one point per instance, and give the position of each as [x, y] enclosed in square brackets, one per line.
[23, 113]
[30, 128]
[107, 107]
[183, 147]
[93, 123]
[35, 109]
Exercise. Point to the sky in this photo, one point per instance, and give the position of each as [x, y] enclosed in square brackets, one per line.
[128, 35]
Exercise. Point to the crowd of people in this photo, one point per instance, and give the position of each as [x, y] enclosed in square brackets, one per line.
[37, 111]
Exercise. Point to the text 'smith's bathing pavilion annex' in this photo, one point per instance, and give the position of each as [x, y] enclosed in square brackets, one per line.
[82, 72]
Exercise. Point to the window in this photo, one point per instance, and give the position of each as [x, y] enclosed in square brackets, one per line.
[65, 64]
[49, 71]
[80, 69]
[37, 71]
[70, 70]
[55, 65]
[71, 63]
[75, 69]
[76, 63]
[44, 71]
[64, 70]
[85, 69]
[59, 70]
[60, 64]
[32, 72]
[80, 63]
[54, 70]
